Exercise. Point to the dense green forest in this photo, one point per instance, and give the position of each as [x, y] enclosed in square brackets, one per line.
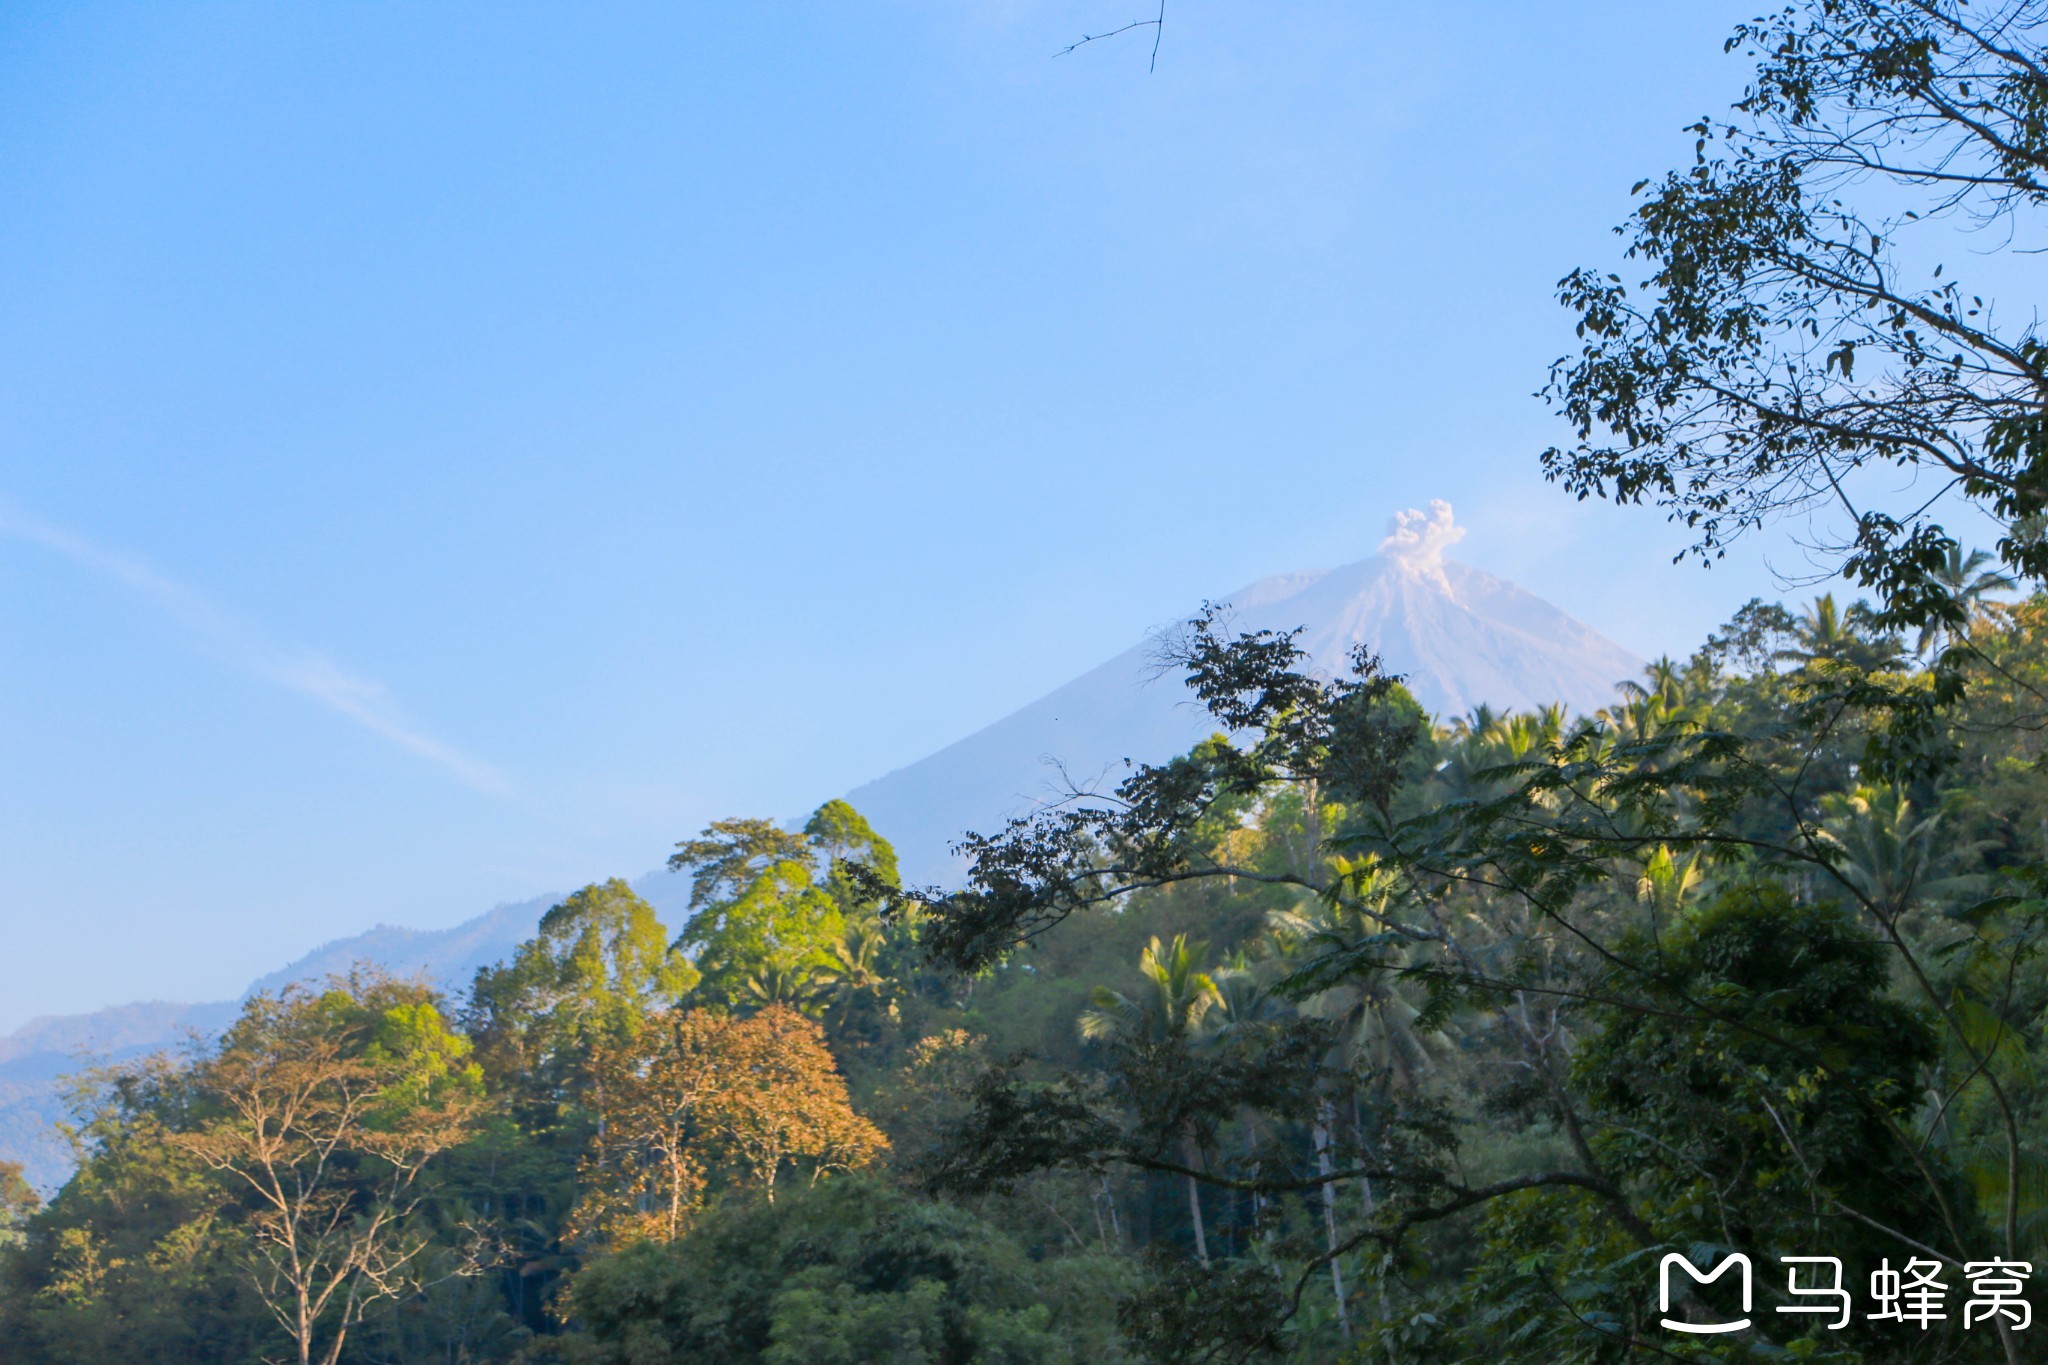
[1318, 1046]
[1351, 1034]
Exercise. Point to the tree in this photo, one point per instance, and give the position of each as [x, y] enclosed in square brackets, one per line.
[1377, 1027]
[320, 1112]
[599, 963]
[1971, 583]
[731, 855]
[1828, 636]
[1179, 994]
[1774, 1118]
[856, 982]
[782, 1103]
[1888, 849]
[1516, 906]
[841, 836]
[18, 1200]
[768, 905]
[135, 1259]
[1803, 317]
[850, 1270]
[1792, 1088]
[799, 987]
[697, 1096]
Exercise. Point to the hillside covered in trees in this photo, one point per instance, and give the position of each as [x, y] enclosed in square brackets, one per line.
[1352, 1033]
[1360, 1033]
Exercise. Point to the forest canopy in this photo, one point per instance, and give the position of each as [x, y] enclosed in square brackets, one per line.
[1348, 1033]
[1708, 1026]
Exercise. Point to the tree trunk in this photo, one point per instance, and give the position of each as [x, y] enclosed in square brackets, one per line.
[1324, 1167]
[1195, 1202]
[1251, 1147]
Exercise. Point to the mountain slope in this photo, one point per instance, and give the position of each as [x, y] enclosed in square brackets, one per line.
[1460, 638]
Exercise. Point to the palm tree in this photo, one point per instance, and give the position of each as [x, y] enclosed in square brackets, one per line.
[1886, 849]
[1968, 583]
[854, 982]
[1666, 882]
[1243, 1004]
[1828, 634]
[1650, 707]
[1376, 1022]
[1244, 1012]
[1822, 634]
[1484, 741]
[1179, 995]
[1665, 681]
[791, 984]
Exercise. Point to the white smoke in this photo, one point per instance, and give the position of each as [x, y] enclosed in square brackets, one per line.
[1416, 541]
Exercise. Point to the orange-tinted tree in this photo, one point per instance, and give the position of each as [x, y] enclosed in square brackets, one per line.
[699, 1098]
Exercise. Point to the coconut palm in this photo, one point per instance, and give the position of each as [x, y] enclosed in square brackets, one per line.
[1969, 583]
[1650, 707]
[1178, 995]
[1243, 1004]
[1244, 1014]
[1483, 741]
[1665, 680]
[1376, 1024]
[1375, 1019]
[1831, 635]
[793, 984]
[1886, 849]
[1665, 882]
[859, 992]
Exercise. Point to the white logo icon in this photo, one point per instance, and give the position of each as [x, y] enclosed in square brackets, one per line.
[1735, 1260]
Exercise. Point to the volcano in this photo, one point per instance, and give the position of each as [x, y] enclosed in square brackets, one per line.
[1458, 637]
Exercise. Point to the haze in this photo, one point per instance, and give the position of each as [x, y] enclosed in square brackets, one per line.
[450, 453]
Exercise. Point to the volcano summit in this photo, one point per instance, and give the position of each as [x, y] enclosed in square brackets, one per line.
[1458, 637]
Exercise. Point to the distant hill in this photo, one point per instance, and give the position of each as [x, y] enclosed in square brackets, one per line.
[1460, 637]
[35, 1058]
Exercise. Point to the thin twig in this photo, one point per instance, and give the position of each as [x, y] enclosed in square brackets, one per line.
[1156, 24]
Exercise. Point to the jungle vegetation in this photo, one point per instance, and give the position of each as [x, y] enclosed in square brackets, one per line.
[1351, 1034]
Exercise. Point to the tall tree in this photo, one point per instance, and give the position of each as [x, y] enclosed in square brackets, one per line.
[770, 905]
[698, 1096]
[1972, 581]
[1177, 996]
[18, 1200]
[600, 963]
[319, 1112]
[1830, 636]
[1805, 312]
[839, 835]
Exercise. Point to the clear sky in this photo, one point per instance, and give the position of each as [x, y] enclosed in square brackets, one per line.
[450, 452]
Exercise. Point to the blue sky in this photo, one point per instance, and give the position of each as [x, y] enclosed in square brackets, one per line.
[451, 452]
